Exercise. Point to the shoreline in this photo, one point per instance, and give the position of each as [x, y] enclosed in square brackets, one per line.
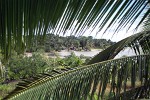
[64, 53]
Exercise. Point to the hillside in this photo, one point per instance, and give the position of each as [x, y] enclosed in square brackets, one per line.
[57, 43]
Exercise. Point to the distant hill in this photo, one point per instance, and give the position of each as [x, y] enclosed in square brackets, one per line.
[57, 43]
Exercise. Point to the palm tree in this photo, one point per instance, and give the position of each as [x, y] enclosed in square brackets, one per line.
[21, 20]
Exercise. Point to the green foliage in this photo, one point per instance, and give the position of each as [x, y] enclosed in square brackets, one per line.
[6, 88]
[136, 42]
[57, 43]
[71, 61]
[20, 66]
[30, 17]
[23, 67]
[78, 83]
[68, 62]
[2, 68]
[81, 82]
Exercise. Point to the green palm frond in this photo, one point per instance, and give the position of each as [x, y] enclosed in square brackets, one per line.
[139, 42]
[146, 24]
[139, 92]
[21, 20]
[87, 80]
[106, 68]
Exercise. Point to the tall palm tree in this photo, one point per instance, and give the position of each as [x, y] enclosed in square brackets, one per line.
[21, 20]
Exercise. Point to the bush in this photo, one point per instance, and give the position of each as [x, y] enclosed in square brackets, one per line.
[26, 67]
[6, 88]
[71, 61]
[21, 67]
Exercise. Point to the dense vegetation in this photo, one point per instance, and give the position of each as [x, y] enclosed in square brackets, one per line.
[19, 67]
[57, 43]
[102, 77]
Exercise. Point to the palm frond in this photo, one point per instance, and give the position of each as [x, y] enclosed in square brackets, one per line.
[113, 67]
[139, 42]
[146, 24]
[136, 93]
[21, 20]
[87, 80]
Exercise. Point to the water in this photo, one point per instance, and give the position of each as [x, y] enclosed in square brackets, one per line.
[93, 52]
[126, 52]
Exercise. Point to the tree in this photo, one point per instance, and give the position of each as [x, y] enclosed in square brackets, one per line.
[78, 83]
[19, 67]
